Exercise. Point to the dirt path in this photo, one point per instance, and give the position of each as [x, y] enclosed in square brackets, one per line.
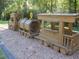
[24, 48]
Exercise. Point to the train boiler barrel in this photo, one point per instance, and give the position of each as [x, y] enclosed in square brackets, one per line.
[32, 26]
[27, 25]
[21, 23]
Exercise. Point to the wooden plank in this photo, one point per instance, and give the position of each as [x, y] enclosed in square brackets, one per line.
[70, 19]
[56, 48]
[61, 32]
[63, 51]
[49, 18]
[57, 18]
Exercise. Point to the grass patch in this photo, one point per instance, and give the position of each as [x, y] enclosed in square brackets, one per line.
[3, 22]
[76, 29]
[2, 54]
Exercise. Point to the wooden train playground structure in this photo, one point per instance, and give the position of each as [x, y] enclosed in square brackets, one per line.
[53, 30]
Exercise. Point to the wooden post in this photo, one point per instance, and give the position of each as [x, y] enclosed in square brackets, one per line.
[42, 25]
[61, 32]
[70, 28]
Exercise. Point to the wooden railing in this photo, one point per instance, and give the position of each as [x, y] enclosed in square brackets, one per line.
[71, 41]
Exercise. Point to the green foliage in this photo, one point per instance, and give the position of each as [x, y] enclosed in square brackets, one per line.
[2, 54]
[25, 7]
[15, 6]
[72, 6]
[3, 22]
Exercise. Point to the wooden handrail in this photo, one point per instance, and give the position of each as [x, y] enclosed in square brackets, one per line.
[51, 30]
[72, 35]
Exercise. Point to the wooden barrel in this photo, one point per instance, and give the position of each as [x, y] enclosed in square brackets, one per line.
[33, 26]
[21, 23]
[27, 25]
[30, 26]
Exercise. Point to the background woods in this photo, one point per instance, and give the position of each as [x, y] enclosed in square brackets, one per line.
[32, 7]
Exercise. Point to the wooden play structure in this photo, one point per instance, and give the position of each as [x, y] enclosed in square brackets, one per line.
[29, 27]
[13, 22]
[25, 26]
[54, 30]
[60, 34]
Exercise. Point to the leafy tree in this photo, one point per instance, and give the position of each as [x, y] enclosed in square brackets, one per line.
[37, 6]
[72, 6]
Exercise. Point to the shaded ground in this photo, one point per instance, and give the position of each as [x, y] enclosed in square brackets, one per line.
[24, 48]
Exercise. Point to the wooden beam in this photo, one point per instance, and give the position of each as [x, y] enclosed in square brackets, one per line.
[61, 32]
[70, 28]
